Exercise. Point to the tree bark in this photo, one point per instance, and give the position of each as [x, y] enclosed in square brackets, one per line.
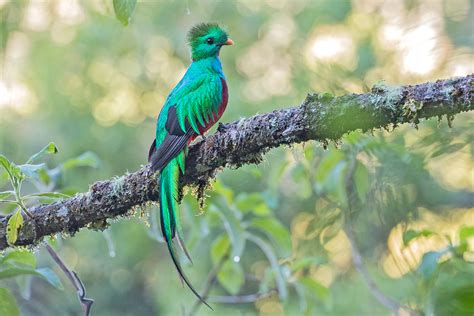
[320, 117]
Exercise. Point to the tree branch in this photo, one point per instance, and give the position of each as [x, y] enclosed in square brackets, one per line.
[321, 117]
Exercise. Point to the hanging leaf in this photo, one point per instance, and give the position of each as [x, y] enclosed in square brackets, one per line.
[270, 254]
[5, 163]
[14, 173]
[32, 171]
[465, 233]
[315, 288]
[224, 191]
[87, 159]
[447, 149]
[8, 305]
[219, 248]
[308, 262]
[231, 277]
[48, 149]
[19, 257]
[233, 227]
[411, 234]
[5, 194]
[362, 181]
[253, 202]
[14, 224]
[124, 10]
[276, 232]
[10, 271]
[331, 176]
[48, 275]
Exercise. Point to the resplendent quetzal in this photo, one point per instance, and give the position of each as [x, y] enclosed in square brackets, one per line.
[194, 105]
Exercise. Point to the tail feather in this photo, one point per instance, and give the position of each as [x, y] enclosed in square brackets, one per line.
[183, 247]
[169, 221]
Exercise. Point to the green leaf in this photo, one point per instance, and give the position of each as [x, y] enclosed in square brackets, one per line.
[233, 227]
[411, 234]
[276, 232]
[253, 202]
[302, 183]
[327, 164]
[447, 149]
[32, 171]
[331, 176]
[270, 254]
[315, 288]
[5, 163]
[219, 248]
[87, 159]
[48, 149]
[14, 173]
[14, 224]
[124, 10]
[336, 182]
[308, 261]
[10, 270]
[51, 277]
[5, 194]
[19, 257]
[231, 277]
[362, 181]
[8, 305]
[459, 301]
[3, 175]
[44, 176]
[465, 233]
[224, 191]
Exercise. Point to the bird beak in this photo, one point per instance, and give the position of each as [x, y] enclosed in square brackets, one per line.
[229, 42]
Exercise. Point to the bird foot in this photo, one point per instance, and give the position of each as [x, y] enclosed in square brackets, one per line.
[222, 127]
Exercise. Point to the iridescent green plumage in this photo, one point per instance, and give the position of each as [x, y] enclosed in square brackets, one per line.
[194, 105]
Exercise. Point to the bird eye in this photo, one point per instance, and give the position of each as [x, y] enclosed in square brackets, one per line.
[210, 40]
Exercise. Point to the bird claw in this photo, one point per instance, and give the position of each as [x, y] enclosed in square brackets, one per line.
[222, 127]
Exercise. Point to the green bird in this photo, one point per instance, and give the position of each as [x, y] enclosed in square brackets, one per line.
[193, 106]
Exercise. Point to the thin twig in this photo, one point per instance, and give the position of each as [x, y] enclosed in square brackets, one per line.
[86, 302]
[383, 299]
[241, 299]
[352, 202]
[211, 280]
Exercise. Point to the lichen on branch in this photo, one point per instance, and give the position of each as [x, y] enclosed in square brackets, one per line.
[321, 117]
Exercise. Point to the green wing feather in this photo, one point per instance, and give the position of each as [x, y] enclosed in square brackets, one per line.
[199, 104]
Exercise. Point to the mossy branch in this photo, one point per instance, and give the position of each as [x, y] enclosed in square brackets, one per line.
[321, 117]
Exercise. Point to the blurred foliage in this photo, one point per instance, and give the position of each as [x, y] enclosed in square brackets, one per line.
[273, 237]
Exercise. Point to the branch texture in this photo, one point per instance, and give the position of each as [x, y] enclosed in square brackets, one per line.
[320, 117]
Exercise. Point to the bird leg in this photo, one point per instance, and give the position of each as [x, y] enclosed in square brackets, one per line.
[222, 127]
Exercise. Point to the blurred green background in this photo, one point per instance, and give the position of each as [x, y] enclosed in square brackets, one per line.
[276, 234]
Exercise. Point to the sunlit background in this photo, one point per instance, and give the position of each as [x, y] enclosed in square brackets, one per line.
[72, 74]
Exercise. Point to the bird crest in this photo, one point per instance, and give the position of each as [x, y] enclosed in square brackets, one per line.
[201, 30]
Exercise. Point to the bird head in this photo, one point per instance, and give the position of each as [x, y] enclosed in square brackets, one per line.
[206, 40]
